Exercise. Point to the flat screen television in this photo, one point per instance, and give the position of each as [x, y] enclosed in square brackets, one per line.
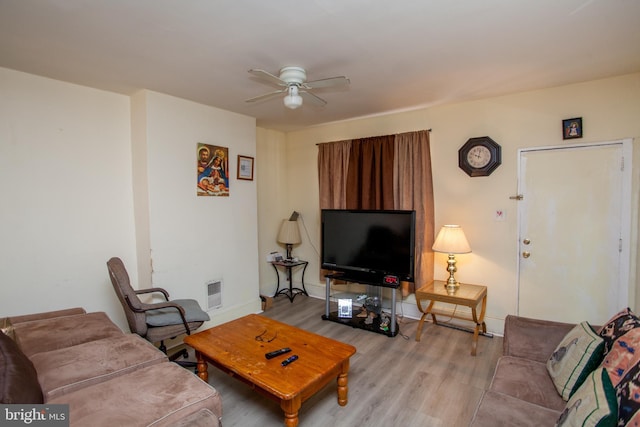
[368, 245]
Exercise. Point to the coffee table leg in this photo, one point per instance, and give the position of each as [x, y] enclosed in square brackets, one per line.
[291, 408]
[202, 367]
[343, 384]
[343, 389]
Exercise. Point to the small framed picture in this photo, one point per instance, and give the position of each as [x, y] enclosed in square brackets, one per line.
[345, 307]
[572, 128]
[245, 168]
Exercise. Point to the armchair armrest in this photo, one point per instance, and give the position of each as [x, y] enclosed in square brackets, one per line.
[532, 339]
[153, 290]
[158, 305]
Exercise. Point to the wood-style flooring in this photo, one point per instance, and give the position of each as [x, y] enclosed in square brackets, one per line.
[392, 381]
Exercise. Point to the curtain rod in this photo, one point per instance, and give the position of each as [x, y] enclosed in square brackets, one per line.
[428, 130]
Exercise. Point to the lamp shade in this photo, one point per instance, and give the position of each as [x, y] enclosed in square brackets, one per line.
[451, 240]
[289, 233]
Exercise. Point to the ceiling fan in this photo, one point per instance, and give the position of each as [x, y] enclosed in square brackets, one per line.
[293, 83]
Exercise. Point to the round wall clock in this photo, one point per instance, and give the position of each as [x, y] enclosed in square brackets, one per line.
[479, 156]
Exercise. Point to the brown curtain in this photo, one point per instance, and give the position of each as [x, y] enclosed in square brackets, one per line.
[333, 163]
[383, 172]
[370, 174]
[413, 186]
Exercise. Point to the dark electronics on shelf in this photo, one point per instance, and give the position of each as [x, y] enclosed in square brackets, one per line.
[372, 246]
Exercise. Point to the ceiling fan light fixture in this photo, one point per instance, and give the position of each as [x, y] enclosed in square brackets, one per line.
[293, 100]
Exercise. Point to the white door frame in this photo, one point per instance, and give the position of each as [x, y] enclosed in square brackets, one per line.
[625, 220]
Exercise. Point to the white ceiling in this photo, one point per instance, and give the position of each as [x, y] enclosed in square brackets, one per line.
[399, 55]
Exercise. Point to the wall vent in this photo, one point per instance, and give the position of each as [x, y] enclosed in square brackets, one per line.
[214, 294]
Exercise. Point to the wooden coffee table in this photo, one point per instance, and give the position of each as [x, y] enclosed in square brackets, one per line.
[238, 348]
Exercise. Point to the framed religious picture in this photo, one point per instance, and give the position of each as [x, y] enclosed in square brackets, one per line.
[212, 170]
[572, 128]
[245, 168]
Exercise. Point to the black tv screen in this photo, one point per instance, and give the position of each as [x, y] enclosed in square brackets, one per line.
[369, 244]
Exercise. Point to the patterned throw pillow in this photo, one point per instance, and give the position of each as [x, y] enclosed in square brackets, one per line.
[577, 355]
[623, 355]
[7, 328]
[621, 323]
[628, 393]
[594, 404]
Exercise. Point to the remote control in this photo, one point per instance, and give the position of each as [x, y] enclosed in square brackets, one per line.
[275, 353]
[289, 360]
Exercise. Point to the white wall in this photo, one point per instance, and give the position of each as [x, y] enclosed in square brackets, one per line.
[140, 184]
[610, 109]
[73, 160]
[192, 239]
[272, 201]
[66, 198]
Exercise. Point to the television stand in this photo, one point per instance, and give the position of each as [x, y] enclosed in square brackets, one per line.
[359, 322]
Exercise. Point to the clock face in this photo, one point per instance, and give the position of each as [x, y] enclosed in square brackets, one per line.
[479, 156]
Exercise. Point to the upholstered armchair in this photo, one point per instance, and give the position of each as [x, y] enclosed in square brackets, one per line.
[158, 321]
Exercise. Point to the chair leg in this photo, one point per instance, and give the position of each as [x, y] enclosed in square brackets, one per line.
[184, 363]
[182, 353]
[187, 364]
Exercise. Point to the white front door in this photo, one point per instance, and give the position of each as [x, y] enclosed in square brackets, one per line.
[574, 232]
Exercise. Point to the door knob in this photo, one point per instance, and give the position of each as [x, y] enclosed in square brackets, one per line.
[526, 254]
[526, 241]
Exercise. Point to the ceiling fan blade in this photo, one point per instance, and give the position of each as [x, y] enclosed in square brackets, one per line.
[268, 77]
[314, 99]
[265, 96]
[331, 81]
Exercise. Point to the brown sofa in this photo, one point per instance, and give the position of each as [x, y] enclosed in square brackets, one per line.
[564, 374]
[106, 377]
[521, 391]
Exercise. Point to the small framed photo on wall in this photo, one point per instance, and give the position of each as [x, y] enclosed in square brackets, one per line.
[572, 128]
[245, 168]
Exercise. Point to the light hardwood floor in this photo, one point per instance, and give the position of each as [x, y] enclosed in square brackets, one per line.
[392, 381]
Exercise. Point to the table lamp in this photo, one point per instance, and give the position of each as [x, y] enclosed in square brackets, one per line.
[451, 240]
[289, 234]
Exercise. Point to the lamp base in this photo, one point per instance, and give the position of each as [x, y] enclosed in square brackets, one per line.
[289, 247]
[452, 288]
[452, 285]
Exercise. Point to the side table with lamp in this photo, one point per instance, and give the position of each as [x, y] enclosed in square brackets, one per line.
[451, 240]
[289, 234]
